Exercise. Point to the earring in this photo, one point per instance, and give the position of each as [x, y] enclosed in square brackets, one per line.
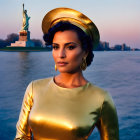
[55, 68]
[83, 65]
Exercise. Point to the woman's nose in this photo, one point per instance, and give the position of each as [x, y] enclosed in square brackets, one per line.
[62, 53]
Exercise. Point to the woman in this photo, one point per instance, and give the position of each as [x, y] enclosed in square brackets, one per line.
[67, 106]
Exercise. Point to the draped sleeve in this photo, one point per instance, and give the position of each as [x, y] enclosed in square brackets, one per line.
[23, 128]
[108, 121]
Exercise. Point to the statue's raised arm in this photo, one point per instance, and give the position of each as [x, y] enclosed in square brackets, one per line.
[23, 7]
[25, 20]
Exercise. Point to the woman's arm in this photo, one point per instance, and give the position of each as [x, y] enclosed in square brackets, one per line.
[108, 122]
[23, 128]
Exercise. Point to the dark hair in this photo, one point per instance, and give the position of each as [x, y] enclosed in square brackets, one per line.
[83, 37]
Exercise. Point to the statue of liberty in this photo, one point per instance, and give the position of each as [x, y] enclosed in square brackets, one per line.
[25, 20]
[24, 33]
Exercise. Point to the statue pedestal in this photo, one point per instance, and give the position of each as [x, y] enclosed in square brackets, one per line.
[24, 40]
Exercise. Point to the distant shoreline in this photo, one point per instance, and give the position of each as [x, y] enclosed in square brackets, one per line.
[40, 49]
[25, 49]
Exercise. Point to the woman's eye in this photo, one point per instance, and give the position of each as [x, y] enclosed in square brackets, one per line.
[71, 47]
[55, 47]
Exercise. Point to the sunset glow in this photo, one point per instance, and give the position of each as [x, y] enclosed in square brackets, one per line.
[118, 21]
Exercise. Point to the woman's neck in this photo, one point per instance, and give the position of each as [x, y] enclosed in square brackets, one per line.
[69, 80]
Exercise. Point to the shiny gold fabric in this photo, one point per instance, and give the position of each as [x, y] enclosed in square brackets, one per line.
[50, 112]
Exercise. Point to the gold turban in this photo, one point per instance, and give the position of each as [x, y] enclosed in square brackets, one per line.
[74, 17]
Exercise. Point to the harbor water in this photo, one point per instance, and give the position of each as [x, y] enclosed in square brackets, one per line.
[117, 72]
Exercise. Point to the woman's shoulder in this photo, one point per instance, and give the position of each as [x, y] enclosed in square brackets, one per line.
[99, 92]
[38, 83]
[42, 81]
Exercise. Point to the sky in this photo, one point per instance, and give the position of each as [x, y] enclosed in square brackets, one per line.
[118, 21]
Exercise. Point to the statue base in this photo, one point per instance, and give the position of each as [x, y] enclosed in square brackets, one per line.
[23, 44]
[24, 35]
[24, 40]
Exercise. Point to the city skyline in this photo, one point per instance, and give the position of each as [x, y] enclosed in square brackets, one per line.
[118, 21]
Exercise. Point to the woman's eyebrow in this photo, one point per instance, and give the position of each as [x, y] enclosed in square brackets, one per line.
[71, 43]
[55, 44]
[66, 43]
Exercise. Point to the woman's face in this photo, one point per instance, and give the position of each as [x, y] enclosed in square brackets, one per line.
[67, 51]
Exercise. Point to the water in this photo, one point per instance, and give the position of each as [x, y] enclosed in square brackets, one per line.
[117, 72]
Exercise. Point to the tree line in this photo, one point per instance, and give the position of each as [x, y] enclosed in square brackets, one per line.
[11, 38]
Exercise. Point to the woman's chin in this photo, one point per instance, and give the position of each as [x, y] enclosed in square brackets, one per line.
[66, 70]
[62, 70]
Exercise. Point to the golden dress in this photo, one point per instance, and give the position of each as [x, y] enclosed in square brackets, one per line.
[51, 112]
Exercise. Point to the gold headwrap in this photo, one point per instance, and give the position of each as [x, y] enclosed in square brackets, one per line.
[74, 17]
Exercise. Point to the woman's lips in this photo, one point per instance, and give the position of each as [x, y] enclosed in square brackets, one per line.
[62, 63]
